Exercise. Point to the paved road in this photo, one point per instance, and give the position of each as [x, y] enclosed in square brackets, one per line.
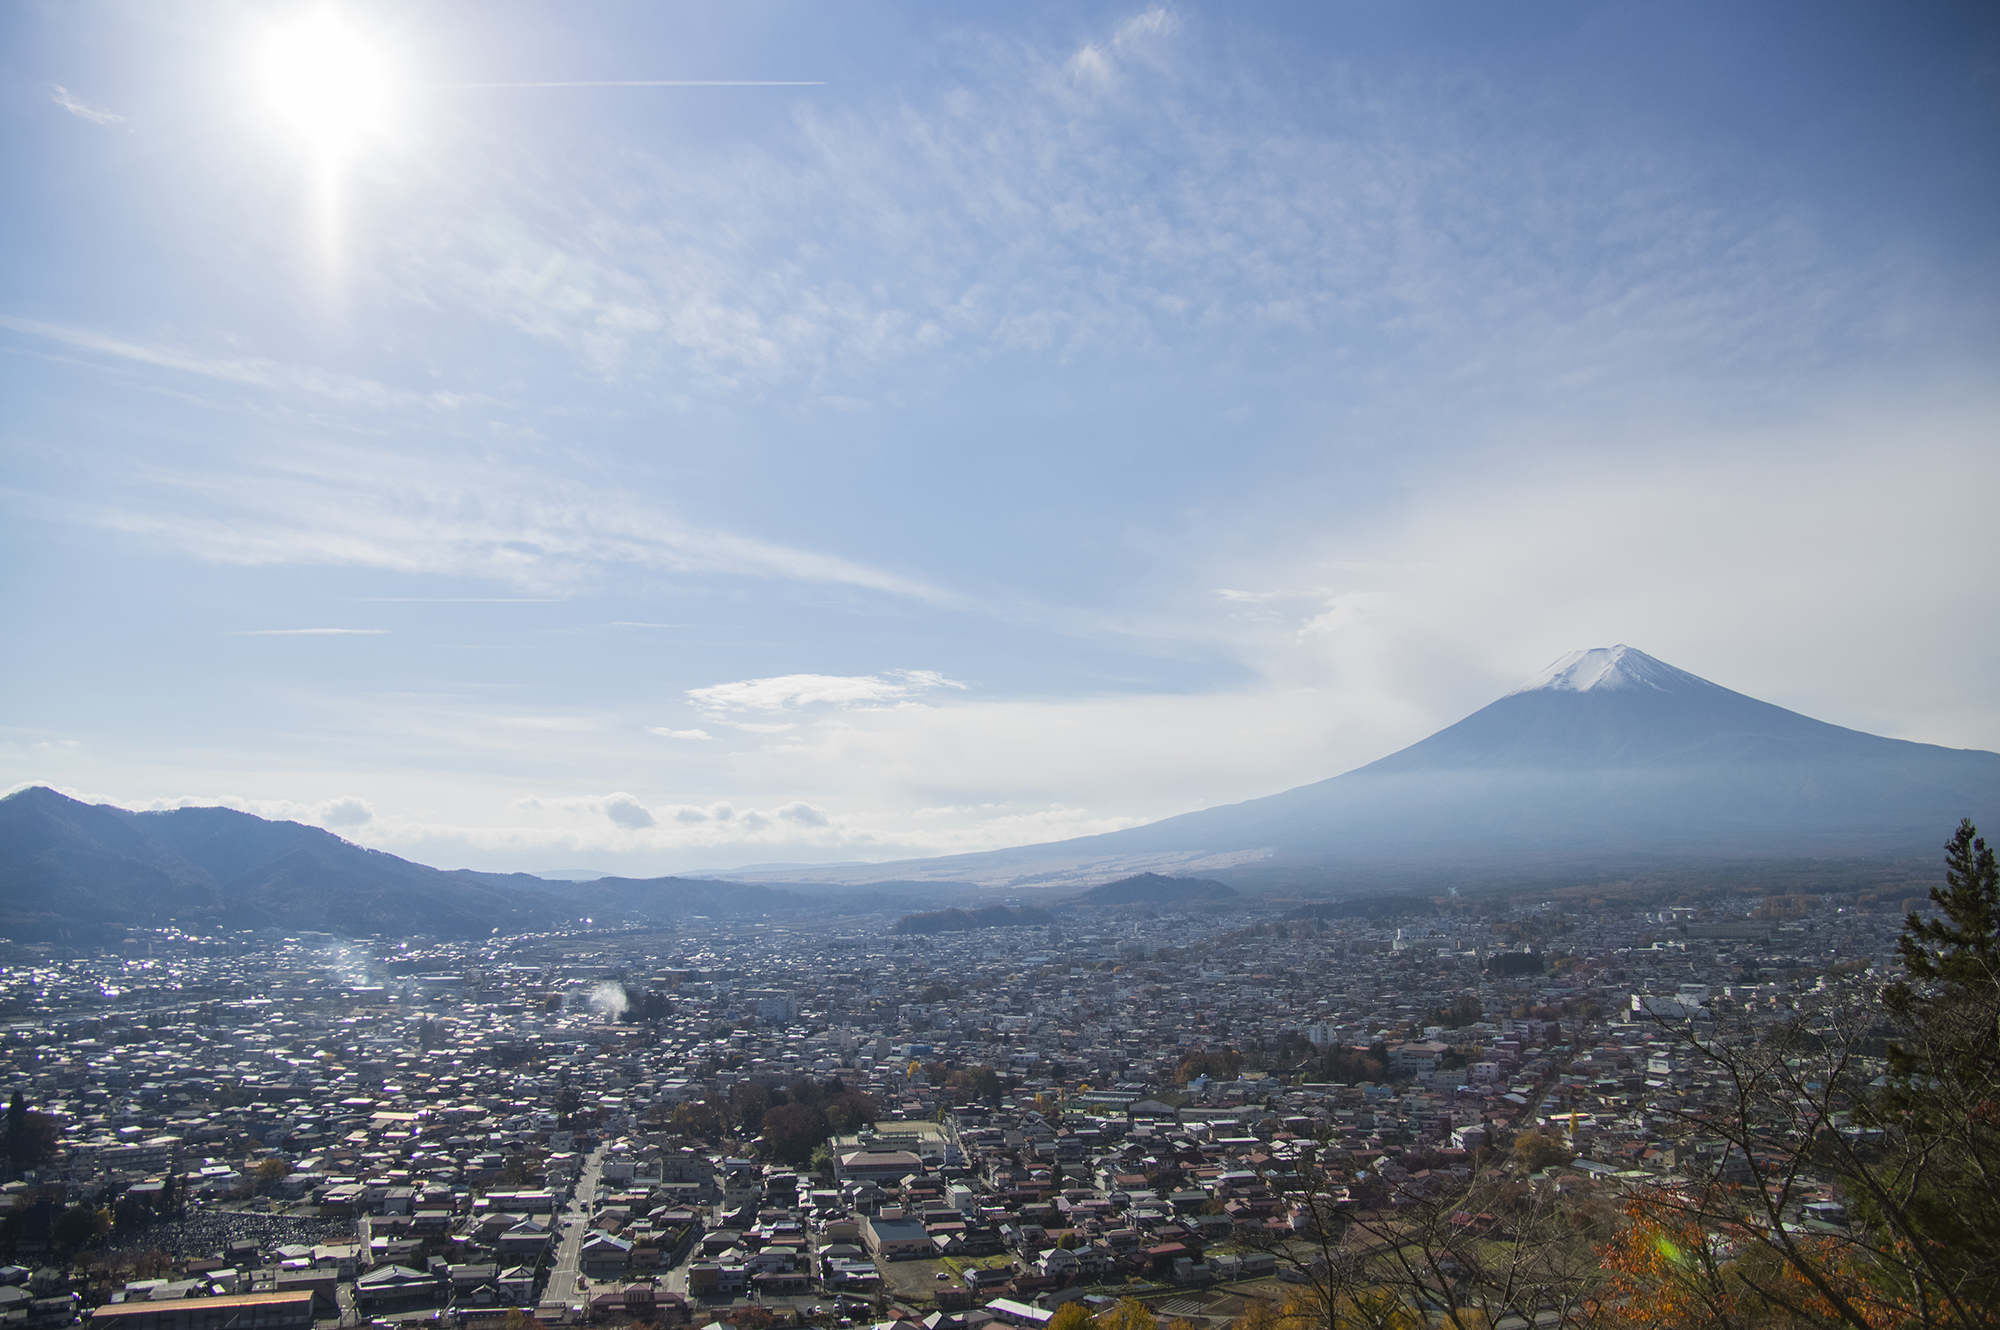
[561, 1293]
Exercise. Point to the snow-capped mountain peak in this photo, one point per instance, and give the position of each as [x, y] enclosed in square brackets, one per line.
[1604, 669]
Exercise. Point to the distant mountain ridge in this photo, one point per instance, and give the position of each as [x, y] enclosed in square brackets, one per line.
[77, 871]
[1608, 763]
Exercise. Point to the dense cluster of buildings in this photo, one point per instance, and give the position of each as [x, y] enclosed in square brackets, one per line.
[288, 1129]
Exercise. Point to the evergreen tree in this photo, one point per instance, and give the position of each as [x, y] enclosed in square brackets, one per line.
[1937, 1197]
[1957, 956]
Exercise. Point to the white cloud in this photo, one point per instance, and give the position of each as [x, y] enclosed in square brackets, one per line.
[1814, 566]
[621, 809]
[1000, 764]
[348, 812]
[344, 813]
[627, 812]
[83, 110]
[666, 733]
[789, 691]
[690, 838]
[582, 829]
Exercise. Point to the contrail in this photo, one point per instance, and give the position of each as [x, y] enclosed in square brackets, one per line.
[653, 83]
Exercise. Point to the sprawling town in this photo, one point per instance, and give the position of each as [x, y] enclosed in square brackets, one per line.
[846, 1122]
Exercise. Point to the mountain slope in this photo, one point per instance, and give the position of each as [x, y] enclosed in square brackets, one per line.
[89, 871]
[1608, 762]
[1639, 757]
[62, 861]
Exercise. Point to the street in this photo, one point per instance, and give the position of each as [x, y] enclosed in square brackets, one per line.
[561, 1294]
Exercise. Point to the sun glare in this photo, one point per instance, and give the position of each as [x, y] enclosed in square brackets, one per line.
[326, 81]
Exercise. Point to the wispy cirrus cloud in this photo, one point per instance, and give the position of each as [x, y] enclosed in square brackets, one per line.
[1142, 36]
[360, 507]
[309, 632]
[82, 110]
[1139, 194]
[248, 371]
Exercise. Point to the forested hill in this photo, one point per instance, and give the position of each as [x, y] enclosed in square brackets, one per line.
[72, 871]
[959, 921]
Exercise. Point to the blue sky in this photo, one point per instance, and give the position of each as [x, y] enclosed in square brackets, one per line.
[1032, 421]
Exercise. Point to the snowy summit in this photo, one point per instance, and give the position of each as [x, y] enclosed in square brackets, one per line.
[1603, 669]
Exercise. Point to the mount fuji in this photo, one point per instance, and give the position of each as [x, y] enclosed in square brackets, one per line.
[1609, 763]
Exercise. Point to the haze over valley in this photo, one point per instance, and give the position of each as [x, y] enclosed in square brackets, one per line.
[1608, 766]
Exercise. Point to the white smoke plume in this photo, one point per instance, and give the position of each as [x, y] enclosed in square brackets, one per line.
[608, 1000]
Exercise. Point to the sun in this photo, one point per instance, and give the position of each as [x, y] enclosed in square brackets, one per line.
[326, 80]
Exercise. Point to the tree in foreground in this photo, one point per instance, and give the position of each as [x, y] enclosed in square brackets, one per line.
[1376, 1248]
[1941, 1195]
[1912, 1141]
[1797, 1106]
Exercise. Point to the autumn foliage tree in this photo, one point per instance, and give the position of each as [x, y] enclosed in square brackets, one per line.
[1669, 1269]
[1070, 1316]
[1534, 1151]
[1350, 1066]
[980, 1083]
[801, 1116]
[1662, 1270]
[697, 1119]
[1352, 1309]
[1218, 1064]
[1462, 1011]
